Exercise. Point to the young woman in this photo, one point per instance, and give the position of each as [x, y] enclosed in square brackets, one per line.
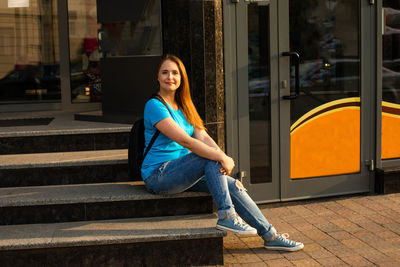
[184, 157]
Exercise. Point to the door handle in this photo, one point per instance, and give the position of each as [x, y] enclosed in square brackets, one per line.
[296, 59]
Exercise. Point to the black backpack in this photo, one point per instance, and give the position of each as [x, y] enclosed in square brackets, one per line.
[137, 144]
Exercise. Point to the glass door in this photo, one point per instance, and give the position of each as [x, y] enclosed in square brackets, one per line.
[323, 86]
[299, 96]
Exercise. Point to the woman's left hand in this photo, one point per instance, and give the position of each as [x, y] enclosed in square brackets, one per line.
[227, 164]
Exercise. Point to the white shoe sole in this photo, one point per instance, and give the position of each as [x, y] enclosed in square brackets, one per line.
[285, 248]
[252, 231]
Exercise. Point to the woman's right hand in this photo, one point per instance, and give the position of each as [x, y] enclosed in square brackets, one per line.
[227, 164]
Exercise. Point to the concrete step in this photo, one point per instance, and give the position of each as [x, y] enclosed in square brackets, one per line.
[158, 241]
[80, 167]
[85, 202]
[46, 141]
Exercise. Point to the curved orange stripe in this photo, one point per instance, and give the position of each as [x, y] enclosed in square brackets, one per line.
[327, 145]
[320, 110]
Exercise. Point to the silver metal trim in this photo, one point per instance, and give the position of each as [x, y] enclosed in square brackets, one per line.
[371, 164]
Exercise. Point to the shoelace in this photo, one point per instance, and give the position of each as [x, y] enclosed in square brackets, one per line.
[285, 235]
[239, 221]
[285, 238]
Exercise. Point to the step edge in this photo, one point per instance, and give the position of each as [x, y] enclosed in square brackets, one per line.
[83, 194]
[85, 201]
[64, 164]
[168, 234]
[388, 170]
[124, 129]
[82, 243]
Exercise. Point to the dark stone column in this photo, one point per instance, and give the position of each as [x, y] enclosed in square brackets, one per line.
[192, 30]
[214, 71]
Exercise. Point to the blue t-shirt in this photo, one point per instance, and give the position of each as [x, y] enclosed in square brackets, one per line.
[163, 149]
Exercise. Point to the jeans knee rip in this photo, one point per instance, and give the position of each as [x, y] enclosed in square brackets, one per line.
[240, 186]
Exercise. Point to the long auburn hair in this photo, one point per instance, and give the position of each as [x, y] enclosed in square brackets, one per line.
[182, 94]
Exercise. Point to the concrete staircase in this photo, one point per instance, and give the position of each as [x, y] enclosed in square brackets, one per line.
[66, 200]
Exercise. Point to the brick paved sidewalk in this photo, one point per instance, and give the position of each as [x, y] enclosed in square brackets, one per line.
[355, 231]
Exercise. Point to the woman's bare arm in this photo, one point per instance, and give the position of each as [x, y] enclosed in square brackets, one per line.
[203, 136]
[172, 130]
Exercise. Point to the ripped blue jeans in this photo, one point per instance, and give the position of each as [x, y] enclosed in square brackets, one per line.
[194, 173]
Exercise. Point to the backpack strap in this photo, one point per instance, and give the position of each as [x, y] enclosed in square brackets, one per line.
[157, 133]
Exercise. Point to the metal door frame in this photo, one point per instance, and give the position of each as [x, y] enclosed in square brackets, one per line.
[236, 84]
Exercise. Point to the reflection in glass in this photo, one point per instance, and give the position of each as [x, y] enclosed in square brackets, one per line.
[259, 95]
[90, 40]
[391, 52]
[29, 59]
[328, 44]
[141, 35]
[390, 141]
[84, 52]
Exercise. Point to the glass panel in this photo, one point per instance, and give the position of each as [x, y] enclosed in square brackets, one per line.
[325, 118]
[139, 35]
[29, 58]
[391, 81]
[90, 40]
[83, 50]
[259, 95]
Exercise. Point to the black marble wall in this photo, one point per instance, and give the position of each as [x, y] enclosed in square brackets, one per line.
[192, 30]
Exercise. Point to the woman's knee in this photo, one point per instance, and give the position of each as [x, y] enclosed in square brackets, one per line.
[235, 185]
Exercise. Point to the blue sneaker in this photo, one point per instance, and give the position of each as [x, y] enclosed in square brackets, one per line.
[281, 242]
[236, 225]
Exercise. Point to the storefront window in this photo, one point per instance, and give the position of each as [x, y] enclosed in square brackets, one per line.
[29, 53]
[104, 30]
[391, 80]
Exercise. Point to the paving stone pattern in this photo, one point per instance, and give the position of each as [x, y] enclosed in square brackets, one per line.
[346, 231]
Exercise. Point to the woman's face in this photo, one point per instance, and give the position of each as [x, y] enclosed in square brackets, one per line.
[169, 76]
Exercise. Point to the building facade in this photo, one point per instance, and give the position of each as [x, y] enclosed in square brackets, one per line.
[305, 95]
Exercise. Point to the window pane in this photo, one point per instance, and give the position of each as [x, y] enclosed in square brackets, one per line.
[391, 80]
[325, 117]
[391, 52]
[84, 52]
[29, 59]
[115, 33]
[259, 95]
[136, 32]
